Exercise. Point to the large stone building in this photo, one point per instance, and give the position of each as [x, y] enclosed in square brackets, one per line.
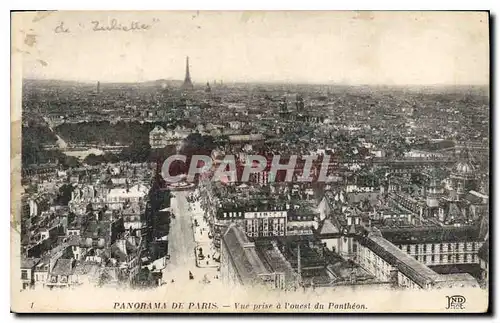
[258, 219]
[261, 218]
[160, 138]
[118, 196]
[463, 178]
[389, 263]
[242, 265]
[438, 246]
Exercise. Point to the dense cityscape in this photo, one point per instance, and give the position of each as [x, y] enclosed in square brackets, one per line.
[406, 203]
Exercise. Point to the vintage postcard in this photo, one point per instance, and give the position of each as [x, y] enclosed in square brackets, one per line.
[250, 162]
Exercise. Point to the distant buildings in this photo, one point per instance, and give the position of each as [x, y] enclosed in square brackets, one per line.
[396, 209]
[41, 170]
[120, 196]
[160, 138]
[299, 103]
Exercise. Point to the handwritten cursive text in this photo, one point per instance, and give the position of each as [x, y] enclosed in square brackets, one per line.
[61, 28]
[115, 25]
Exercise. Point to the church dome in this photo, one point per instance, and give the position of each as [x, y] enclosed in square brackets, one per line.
[464, 168]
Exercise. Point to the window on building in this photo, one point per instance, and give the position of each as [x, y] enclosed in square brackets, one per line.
[408, 248]
[440, 247]
[24, 274]
[433, 259]
[424, 259]
[424, 248]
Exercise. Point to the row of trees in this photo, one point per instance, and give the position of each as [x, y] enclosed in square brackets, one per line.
[140, 151]
[105, 132]
[33, 153]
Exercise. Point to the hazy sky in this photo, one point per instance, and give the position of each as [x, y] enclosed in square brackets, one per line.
[317, 47]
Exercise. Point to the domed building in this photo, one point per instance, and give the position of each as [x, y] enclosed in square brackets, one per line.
[463, 177]
[464, 168]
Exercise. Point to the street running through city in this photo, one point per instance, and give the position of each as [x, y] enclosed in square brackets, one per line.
[185, 239]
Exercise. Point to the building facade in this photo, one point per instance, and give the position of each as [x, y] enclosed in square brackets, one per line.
[438, 245]
[389, 263]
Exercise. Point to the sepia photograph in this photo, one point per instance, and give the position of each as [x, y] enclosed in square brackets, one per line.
[250, 162]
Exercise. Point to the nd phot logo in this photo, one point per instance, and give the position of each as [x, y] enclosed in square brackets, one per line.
[455, 302]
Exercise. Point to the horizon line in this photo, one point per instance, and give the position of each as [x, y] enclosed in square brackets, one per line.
[278, 82]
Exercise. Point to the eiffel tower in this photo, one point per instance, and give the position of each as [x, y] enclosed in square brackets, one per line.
[187, 85]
